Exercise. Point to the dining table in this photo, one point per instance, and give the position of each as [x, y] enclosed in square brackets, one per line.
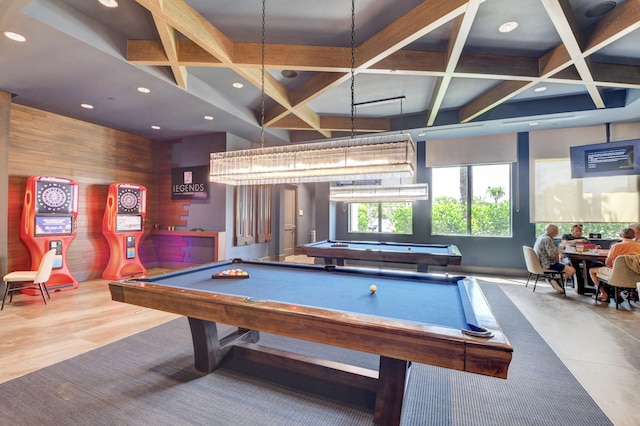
[582, 260]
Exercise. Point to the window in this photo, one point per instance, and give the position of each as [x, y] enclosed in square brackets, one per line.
[394, 218]
[263, 213]
[472, 200]
[244, 215]
[251, 225]
[606, 230]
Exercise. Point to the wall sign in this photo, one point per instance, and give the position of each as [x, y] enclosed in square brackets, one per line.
[190, 183]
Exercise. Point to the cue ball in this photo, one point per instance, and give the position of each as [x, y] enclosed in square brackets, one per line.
[373, 288]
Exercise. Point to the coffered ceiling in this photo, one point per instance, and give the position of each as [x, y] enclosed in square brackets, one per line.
[568, 63]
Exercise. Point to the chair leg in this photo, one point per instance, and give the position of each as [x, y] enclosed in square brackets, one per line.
[535, 284]
[42, 292]
[4, 296]
[13, 289]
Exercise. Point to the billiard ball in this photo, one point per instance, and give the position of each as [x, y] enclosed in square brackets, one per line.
[373, 288]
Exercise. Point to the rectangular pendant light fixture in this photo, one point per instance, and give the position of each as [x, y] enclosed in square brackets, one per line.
[371, 157]
[379, 193]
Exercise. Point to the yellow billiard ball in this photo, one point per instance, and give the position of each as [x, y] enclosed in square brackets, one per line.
[373, 288]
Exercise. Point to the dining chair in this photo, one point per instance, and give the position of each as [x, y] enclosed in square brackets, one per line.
[622, 277]
[535, 269]
[18, 280]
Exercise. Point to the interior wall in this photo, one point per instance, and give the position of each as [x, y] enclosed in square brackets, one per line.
[46, 144]
[212, 214]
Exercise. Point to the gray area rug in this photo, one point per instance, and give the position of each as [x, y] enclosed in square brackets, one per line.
[148, 379]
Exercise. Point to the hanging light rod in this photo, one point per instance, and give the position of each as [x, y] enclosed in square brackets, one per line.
[369, 157]
[378, 102]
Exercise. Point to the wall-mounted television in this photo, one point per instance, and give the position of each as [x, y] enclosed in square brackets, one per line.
[54, 225]
[605, 159]
[128, 222]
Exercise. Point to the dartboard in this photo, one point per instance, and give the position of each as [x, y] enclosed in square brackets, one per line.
[53, 197]
[128, 200]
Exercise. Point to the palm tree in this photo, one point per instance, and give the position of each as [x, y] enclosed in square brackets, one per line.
[495, 192]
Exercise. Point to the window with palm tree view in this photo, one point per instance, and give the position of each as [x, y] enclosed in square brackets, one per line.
[394, 218]
[472, 200]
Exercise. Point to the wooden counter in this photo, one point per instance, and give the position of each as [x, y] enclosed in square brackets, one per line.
[179, 247]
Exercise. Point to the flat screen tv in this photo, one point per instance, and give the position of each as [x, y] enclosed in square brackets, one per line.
[54, 225]
[605, 159]
[128, 222]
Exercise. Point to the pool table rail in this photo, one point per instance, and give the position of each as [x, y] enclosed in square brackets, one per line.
[380, 251]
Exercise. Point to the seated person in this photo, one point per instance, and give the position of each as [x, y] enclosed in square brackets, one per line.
[575, 237]
[636, 229]
[627, 246]
[549, 255]
[570, 240]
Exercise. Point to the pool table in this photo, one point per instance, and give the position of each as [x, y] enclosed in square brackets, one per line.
[423, 255]
[412, 317]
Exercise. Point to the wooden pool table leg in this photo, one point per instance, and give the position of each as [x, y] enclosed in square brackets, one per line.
[330, 261]
[391, 384]
[208, 349]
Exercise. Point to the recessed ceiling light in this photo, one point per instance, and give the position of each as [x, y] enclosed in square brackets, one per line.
[208, 117]
[422, 134]
[540, 89]
[238, 85]
[143, 90]
[507, 27]
[14, 36]
[600, 9]
[109, 3]
[533, 123]
[155, 127]
[289, 73]
[87, 106]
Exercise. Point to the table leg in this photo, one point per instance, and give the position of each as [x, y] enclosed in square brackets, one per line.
[391, 385]
[208, 349]
[585, 278]
[423, 267]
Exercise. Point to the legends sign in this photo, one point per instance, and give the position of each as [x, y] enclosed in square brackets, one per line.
[190, 183]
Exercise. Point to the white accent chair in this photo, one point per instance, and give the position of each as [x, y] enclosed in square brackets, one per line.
[623, 276]
[535, 269]
[18, 280]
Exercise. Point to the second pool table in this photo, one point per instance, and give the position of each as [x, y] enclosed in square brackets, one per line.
[423, 255]
[413, 317]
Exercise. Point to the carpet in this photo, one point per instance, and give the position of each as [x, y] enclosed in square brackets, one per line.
[148, 379]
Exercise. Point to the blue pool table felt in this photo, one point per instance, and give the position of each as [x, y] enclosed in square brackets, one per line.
[437, 301]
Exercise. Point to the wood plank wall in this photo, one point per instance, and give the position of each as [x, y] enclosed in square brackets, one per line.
[42, 143]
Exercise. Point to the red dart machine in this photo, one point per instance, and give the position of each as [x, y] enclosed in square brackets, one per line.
[123, 227]
[48, 221]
